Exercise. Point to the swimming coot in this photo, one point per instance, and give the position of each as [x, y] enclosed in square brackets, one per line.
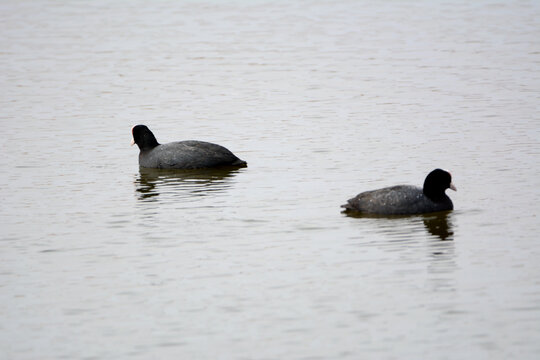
[189, 154]
[406, 199]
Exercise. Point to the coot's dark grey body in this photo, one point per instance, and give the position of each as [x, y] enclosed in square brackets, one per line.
[396, 200]
[189, 154]
[406, 199]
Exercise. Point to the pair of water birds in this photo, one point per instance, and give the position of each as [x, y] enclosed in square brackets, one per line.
[394, 200]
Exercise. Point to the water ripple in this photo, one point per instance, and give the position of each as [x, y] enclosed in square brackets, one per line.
[187, 185]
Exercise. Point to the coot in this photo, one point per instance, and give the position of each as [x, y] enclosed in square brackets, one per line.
[406, 199]
[189, 154]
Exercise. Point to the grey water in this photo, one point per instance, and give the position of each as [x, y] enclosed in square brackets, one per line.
[323, 99]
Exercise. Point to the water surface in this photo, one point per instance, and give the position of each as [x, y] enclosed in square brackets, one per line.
[324, 100]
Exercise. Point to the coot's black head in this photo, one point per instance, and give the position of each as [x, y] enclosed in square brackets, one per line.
[436, 183]
[143, 137]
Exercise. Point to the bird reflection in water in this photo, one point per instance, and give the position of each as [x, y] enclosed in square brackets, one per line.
[183, 183]
[437, 224]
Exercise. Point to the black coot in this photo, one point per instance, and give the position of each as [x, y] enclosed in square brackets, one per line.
[406, 199]
[189, 154]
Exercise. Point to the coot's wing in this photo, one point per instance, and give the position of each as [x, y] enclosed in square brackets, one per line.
[193, 154]
[387, 201]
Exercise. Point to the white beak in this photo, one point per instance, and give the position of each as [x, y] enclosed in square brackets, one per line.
[132, 139]
[452, 186]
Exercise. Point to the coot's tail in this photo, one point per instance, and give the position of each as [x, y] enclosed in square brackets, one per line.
[239, 163]
[347, 207]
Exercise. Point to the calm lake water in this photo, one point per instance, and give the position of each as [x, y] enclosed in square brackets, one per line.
[323, 99]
